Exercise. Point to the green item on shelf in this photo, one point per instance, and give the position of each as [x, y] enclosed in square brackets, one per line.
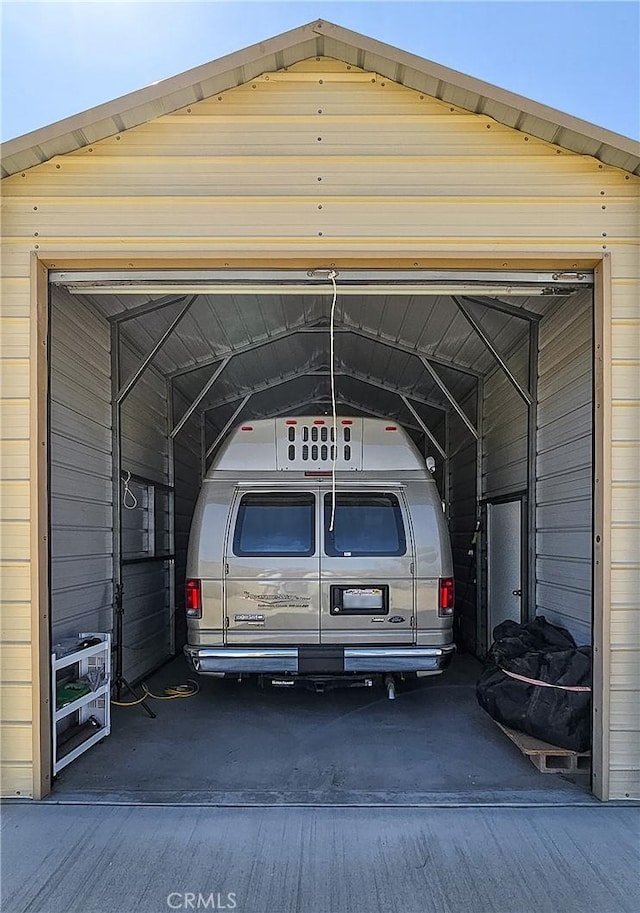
[67, 692]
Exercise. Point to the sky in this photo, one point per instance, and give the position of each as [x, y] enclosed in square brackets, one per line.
[60, 58]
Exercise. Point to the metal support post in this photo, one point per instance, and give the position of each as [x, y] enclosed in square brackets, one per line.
[203, 444]
[171, 477]
[118, 588]
[532, 476]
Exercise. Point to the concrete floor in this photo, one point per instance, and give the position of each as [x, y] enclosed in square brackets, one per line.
[233, 744]
[78, 859]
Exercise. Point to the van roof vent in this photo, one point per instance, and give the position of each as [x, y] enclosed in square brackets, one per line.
[308, 443]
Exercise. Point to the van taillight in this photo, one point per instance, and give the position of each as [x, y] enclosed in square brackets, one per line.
[446, 596]
[193, 599]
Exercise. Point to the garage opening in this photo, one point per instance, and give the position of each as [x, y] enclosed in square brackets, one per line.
[491, 375]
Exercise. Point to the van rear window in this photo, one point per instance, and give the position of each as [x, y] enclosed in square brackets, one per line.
[366, 523]
[275, 525]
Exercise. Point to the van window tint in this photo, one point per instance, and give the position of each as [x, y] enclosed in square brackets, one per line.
[366, 523]
[274, 525]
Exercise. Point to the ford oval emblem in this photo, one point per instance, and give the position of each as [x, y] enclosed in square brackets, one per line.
[396, 619]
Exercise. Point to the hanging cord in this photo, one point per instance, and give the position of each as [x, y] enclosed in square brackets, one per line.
[173, 692]
[334, 449]
[133, 502]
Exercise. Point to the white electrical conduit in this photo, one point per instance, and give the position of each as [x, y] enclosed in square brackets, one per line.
[334, 449]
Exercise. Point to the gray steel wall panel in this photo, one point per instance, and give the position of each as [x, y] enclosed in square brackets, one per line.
[567, 485]
[144, 421]
[462, 521]
[575, 574]
[504, 445]
[80, 455]
[148, 615]
[187, 488]
[146, 594]
[556, 435]
[146, 632]
[80, 446]
[564, 467]
[81, 487]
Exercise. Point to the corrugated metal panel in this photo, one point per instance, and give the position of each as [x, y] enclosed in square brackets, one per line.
[242, 176]
[504, 424]
[194, 211]
[16, 662]
[187, 476]
[625, 556]
[625, 586]
[144, 421]
[625, 669]
[80, 448]
[625, 262]
[16, 743]
[303, 44]
[624, 783]
[146, 634]
[16, 586]
[16, 626]
[463, 514]
[416, 216]
[81, 486]
[625, 750]
[564, 467]
[15, 609]
[15, 700]
[147, 595]
[17, 778]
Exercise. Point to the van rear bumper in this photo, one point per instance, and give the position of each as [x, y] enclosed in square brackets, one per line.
[222, 660]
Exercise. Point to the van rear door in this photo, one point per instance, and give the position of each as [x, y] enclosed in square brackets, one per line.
[367, 586]
[271, 585]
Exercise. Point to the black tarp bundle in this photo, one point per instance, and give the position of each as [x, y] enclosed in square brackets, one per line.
[545, 653]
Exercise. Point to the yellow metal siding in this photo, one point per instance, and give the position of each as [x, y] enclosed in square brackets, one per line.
[625, 540]
[323, 161]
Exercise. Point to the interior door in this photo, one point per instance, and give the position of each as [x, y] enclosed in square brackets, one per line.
[271, 588]
[367, 587]
[504, 563]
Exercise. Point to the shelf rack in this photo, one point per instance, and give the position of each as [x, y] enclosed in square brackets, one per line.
[96, 704]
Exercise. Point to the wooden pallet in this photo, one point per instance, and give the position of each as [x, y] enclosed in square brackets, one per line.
[549, 759]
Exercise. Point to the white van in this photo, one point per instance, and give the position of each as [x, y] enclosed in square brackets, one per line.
[274, 587]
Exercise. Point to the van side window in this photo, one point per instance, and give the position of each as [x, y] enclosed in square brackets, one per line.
[275, 524]
[366, 523]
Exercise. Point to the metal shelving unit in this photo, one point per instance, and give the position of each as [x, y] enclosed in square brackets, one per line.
[96, 704]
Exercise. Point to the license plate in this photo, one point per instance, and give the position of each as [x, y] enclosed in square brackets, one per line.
[362, 598]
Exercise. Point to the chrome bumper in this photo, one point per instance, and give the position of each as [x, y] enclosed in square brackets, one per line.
[222, 660]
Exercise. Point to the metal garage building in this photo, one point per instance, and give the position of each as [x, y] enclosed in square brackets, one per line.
[165, 263]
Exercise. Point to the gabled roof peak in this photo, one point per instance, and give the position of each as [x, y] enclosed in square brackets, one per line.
[319, 39]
